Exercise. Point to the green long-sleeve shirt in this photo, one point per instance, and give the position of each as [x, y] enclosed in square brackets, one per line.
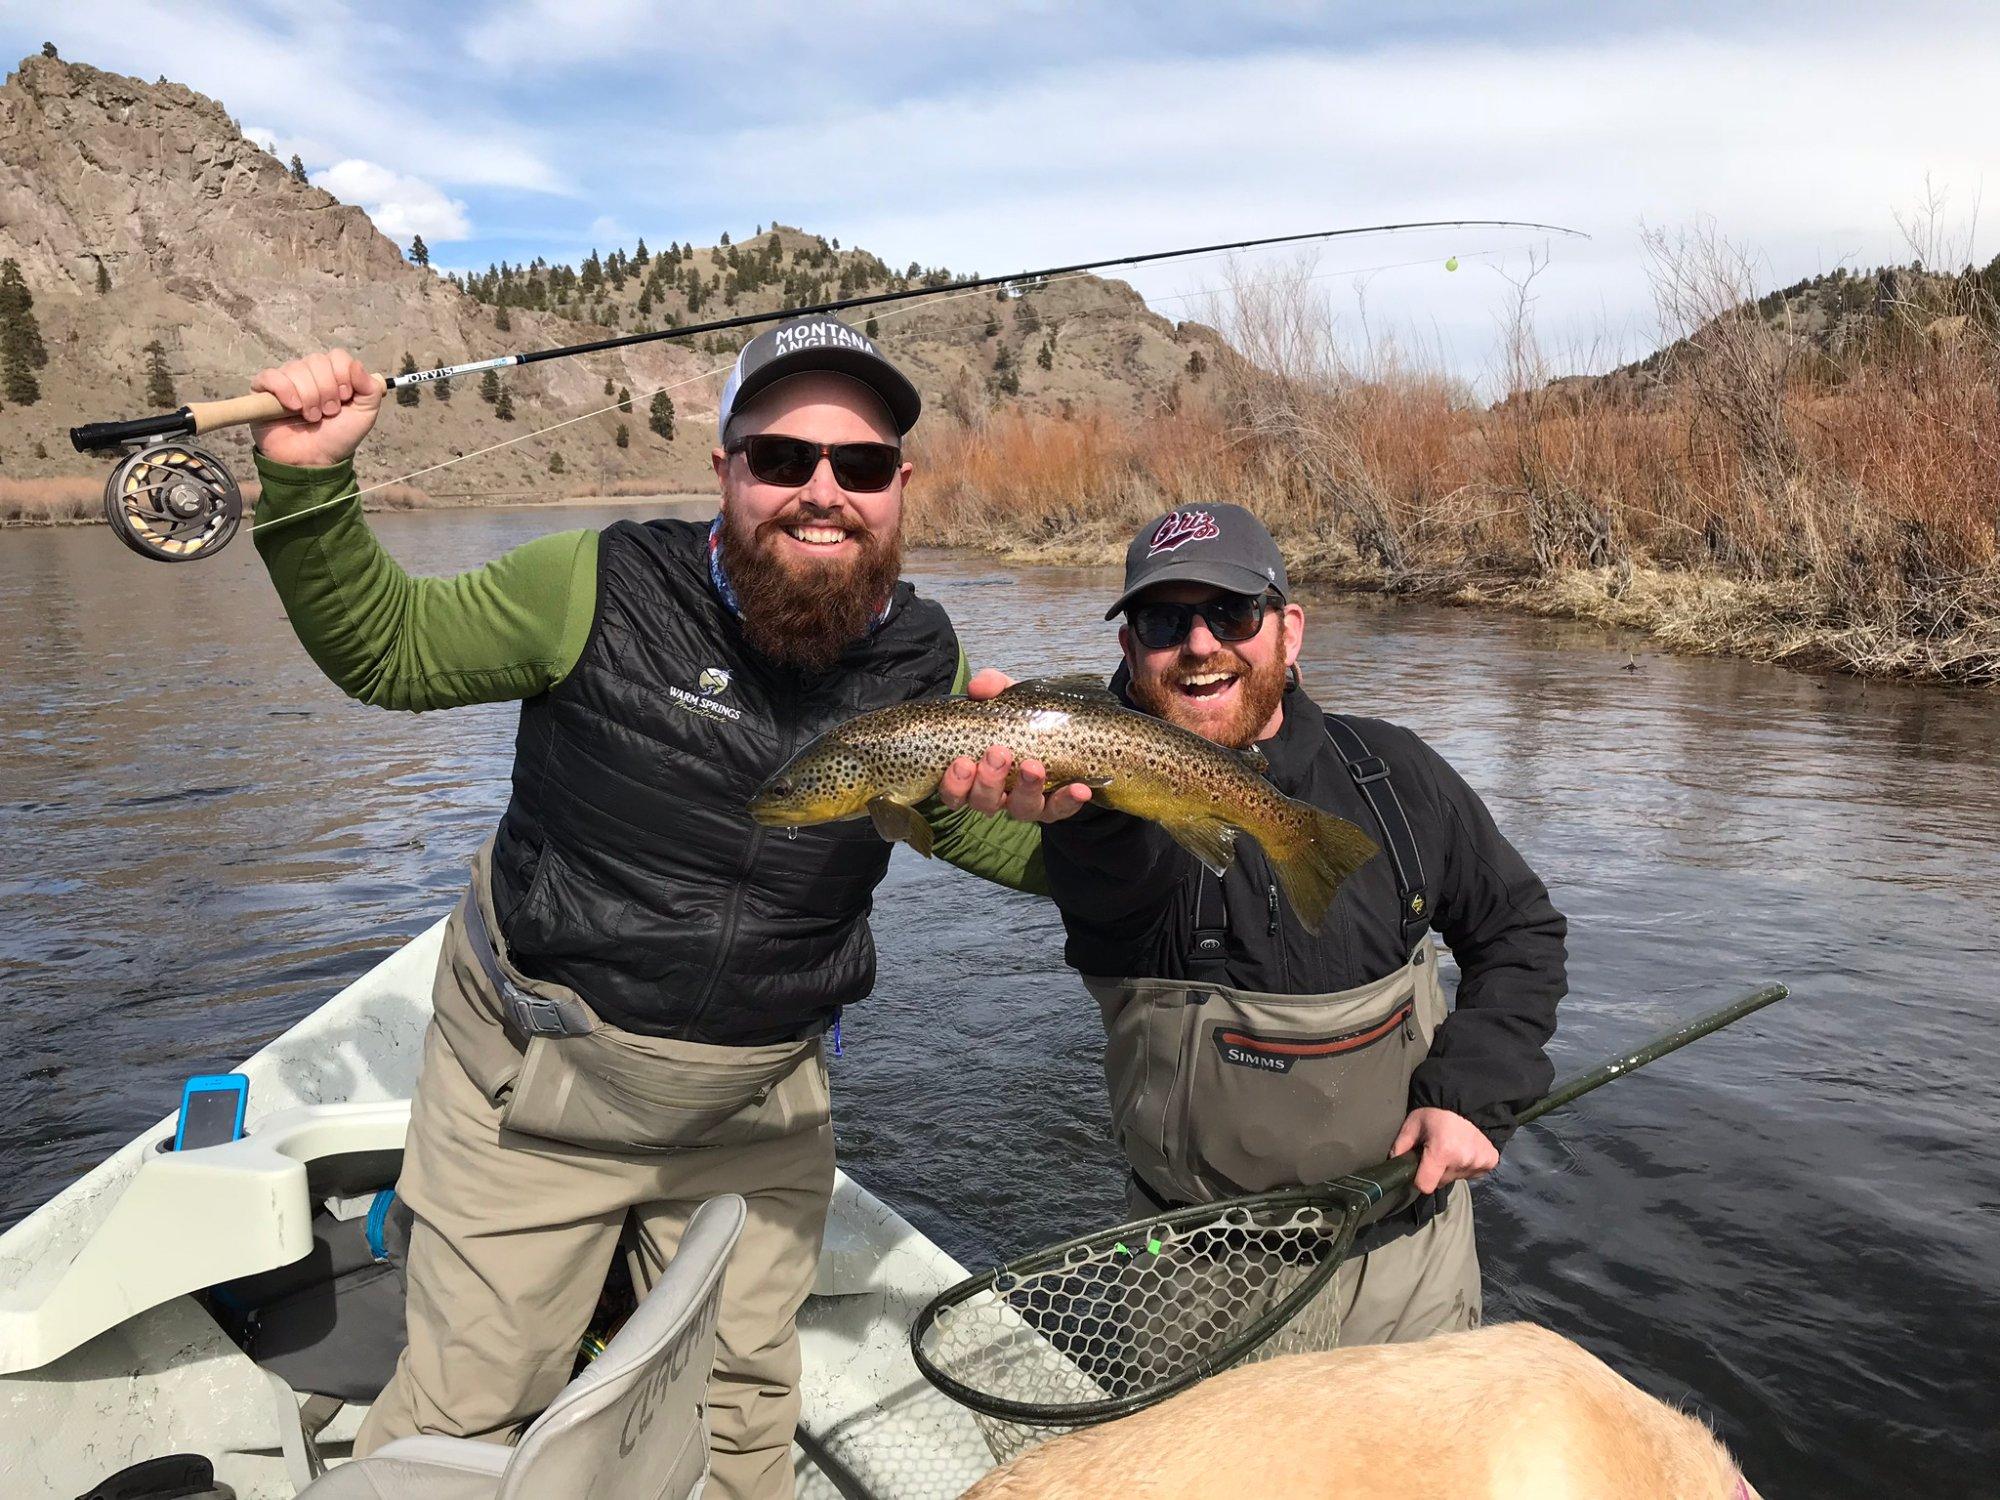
[510, 629]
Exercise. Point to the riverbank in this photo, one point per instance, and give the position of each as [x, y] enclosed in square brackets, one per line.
[1696, 613]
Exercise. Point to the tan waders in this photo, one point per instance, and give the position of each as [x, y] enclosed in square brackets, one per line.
[524, 1168]
[1217, 1092]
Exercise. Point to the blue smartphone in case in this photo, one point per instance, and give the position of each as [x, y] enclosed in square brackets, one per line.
[212, 1110]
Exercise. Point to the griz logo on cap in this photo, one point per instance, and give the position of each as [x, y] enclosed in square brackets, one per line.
[798, 336]
[1181, 527]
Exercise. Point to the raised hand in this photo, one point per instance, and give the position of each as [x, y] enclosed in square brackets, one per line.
[332, 403]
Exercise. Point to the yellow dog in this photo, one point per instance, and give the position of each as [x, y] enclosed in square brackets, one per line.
[1507, 1412]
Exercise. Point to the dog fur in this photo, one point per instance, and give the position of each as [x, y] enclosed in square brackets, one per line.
[1507, 1412]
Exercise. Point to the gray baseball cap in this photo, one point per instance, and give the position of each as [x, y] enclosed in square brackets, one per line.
[817, 343]
[1220, 544]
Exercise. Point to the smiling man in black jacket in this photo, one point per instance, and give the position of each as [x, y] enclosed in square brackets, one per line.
[1246, 1052]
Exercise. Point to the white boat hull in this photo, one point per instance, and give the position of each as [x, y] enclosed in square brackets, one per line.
[167, 1379]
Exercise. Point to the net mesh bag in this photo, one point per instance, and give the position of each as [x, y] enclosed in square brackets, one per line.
[1091, 1331]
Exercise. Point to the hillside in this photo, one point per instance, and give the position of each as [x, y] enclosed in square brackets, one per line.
[139, 212]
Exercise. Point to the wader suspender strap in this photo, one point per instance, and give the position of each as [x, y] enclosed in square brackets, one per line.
[532, 1015]
[1371, 779]
[1208, 947]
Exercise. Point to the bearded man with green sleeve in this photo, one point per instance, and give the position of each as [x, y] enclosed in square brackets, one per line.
[633, 995]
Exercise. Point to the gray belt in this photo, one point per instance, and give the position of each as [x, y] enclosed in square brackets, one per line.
[531, 1015]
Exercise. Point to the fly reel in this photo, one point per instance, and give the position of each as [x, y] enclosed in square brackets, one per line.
[172, 502]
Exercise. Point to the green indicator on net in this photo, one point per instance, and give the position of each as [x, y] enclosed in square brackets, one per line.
[1452, 264]
[1153, 1247]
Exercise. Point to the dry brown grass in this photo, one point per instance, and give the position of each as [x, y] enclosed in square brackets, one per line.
[1756, 498]
[31, 502]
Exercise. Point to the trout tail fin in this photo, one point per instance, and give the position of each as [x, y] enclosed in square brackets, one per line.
[1311, 864]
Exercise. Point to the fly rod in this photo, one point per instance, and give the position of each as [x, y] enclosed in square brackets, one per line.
[173, 502]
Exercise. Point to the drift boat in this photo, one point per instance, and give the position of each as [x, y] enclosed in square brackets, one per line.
[110, 1354]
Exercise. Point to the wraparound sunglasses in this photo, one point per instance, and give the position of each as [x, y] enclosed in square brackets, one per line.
[864, 468]
[1229, 617]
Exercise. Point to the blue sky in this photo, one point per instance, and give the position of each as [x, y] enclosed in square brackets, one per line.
[1006, 135]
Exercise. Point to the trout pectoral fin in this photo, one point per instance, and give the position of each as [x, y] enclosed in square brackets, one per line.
[1208, 839]
[900, 823]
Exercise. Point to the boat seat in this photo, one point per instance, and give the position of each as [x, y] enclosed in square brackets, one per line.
[634, 1424]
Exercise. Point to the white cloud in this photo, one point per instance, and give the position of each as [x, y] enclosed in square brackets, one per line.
[322, 71]
[1800, 146]
[605, 227]
[401, 206]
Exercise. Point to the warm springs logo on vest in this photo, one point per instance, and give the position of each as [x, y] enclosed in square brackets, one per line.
[714, 682]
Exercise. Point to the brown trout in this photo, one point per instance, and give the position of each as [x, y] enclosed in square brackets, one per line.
[882, 764]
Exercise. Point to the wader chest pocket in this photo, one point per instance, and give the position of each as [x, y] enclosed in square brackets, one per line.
[1285, 1094]
[614, 1090]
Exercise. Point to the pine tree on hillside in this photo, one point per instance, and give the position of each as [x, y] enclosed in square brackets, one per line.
[17, 311]
[623, 436]
[500, 319]
[1006, 379]
[298, 168]
[407, 395]
[159, 384]
[870, 330]
[503, 407]
[592, 275]
[992, 325]
[1196, 364]
[610, 386]
[555, 463]
[661, 419]
[724, 241]
[624, 399]
[420, 253]
[440, 388]
[1027, 319]
[489, 387]
[641, 255]
[1047, 357]
[103, 279]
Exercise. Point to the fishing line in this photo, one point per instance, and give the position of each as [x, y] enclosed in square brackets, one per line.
[173, 502]
[897, 312]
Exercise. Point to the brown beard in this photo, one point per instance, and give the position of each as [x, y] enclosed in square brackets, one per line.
[802, 612]
[1259, 691]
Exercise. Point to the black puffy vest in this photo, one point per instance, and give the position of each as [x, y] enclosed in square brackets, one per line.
[626, 866]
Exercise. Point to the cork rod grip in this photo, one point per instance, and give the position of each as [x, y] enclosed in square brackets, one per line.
[237, 411]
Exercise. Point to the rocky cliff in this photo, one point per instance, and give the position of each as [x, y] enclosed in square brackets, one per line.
[139, 212]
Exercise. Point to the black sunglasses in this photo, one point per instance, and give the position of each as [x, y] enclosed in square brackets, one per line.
[1229, 617]
[863, 468]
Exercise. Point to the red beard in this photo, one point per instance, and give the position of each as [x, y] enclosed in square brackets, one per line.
[1259, 690]
[804, 611]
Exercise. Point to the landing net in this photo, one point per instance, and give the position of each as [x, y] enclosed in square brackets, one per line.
[1109, 1324]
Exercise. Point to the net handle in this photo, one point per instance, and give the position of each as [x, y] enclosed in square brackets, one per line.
[1363, 1198]
[1388, 1183]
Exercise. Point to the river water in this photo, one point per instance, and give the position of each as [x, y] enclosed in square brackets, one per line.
[1791, 1227]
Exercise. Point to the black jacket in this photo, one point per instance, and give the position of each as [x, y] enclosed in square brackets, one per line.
[626, 865]
[1127, 894]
